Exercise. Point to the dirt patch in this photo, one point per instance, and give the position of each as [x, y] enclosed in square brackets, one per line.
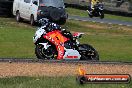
[95, 26]
[59, 69]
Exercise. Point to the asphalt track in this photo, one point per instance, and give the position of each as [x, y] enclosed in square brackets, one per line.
[34, 60]
[97, 19]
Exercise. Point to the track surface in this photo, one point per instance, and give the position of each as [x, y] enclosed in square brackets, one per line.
[33, 60]
[94, 19]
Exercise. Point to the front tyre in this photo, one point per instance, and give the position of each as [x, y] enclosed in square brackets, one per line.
[42, 53]
[102, 15]
[88, 52]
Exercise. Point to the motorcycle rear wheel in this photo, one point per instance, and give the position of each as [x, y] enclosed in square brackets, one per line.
[48, 54]
[88, 53]
[90, 15]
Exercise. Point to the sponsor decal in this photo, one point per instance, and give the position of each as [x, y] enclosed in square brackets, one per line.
[107, 78]
[102, 78]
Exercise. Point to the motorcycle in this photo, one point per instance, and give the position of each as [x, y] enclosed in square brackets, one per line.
[97, 12]
[53, 42]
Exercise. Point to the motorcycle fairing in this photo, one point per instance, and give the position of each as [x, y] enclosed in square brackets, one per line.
[38, 34]
[58, 40]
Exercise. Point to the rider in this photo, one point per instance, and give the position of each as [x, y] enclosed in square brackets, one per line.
[92, 4]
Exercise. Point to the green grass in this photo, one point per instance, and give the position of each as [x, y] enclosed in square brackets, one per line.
[83, 13]
[15, 40]
[52, 82]
[111, 41]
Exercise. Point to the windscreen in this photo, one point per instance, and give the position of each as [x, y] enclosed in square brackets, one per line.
[54, 3]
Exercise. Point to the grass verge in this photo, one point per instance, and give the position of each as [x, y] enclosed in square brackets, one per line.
[113, 42]
[52, 82]
[16, 39]
[83, 13]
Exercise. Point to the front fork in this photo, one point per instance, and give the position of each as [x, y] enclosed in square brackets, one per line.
[100, 12]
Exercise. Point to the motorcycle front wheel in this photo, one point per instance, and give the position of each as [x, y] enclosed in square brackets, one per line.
[45, 54]
[88, 52]
[102, 15]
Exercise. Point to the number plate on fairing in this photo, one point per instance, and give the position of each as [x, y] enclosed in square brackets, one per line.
[71, 54]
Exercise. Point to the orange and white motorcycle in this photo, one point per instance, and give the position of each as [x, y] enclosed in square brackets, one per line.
[53, 42]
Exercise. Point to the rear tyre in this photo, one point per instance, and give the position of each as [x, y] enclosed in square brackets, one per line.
[32, 22]
[90, 15]
[18, 18]
[41, 53]
[88, 53]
